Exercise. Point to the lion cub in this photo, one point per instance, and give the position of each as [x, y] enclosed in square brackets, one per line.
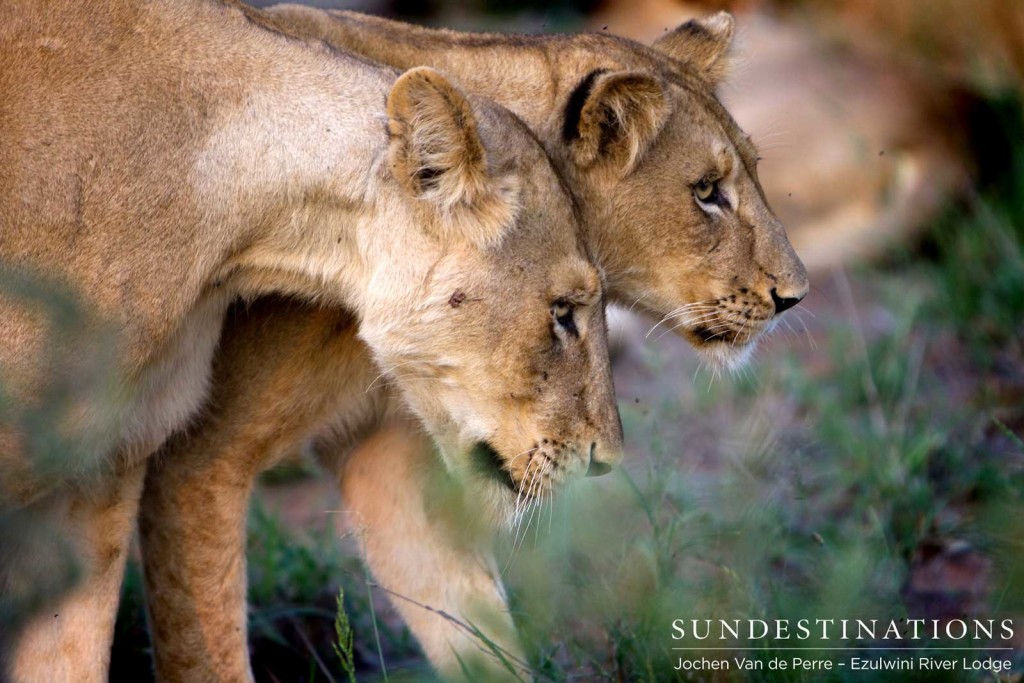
[159, 160]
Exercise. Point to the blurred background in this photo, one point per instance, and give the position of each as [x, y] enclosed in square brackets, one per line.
[869, 462]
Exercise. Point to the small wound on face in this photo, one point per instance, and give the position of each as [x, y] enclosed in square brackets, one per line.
[456, 299]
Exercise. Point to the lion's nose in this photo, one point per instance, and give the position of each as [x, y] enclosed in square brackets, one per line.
[602, 461]
[784, 303]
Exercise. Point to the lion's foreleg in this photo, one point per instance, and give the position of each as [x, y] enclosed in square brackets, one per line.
[192, 528]
[429, 550]
[70, 639]
[280, 375]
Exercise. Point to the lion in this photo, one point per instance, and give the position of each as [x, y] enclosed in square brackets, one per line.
[160, 160]
[674, 215]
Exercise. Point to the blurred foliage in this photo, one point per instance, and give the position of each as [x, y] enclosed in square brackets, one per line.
[975, 45]
[38, 558]
[78, 354]
[825, 521]
[979, 247]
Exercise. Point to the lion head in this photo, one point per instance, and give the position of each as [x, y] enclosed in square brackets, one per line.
[678, 217]
[501, 349]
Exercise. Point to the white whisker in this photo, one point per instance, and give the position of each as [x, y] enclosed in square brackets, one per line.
[387, 371]
[704, 318]
[675, 313]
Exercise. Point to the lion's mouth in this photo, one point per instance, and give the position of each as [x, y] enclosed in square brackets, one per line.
[725, 332]
[490, 463]
[709, 335]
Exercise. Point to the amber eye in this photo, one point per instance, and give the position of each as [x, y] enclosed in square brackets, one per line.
[705, 190]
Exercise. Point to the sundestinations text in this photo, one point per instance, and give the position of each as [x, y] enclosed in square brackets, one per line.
[843, 629]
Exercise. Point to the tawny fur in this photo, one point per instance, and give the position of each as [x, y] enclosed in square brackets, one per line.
[160, 159]
[419, 533]
[650, 128]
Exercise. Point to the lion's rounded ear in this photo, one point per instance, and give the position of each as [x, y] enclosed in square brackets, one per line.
[703, 44]
[437, 155]
[613, 116]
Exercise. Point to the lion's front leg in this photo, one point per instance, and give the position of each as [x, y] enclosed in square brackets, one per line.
[433, 553]
[69, 640]
[280, 375]
[192, 530]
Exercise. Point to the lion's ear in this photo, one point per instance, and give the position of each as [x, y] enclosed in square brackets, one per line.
[613, 117]
[703, 44]
[437, 156]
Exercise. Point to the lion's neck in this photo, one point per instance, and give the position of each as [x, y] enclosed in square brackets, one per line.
[521, 74]
[295, 173]
[532, 76]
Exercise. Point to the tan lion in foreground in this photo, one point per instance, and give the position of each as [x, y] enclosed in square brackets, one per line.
[675, 216]
[160, 159]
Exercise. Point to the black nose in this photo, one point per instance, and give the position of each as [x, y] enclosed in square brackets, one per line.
[784, 303]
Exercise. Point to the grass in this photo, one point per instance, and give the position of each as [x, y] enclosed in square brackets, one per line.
[309, 597]
[344, 639]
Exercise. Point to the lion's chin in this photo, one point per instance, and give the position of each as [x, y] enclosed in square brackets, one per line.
[727, 355]
[497, 494]
[495, 502]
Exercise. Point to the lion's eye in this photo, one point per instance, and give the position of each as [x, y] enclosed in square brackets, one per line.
[562, 315]
[706, 190]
